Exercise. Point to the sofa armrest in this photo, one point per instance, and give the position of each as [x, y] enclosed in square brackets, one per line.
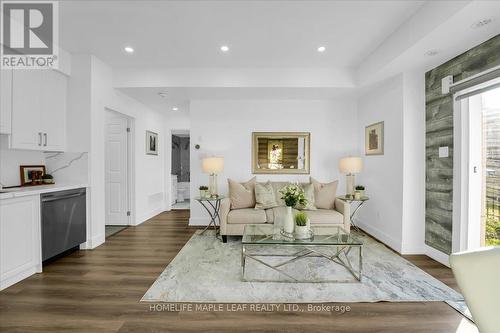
[344, 208]
[225, 207]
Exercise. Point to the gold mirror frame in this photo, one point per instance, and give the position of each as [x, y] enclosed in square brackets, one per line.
[278, 136]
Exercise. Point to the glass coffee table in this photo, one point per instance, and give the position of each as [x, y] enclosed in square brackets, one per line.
[260, 243]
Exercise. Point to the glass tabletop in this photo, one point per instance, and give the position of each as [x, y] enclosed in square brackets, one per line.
[323, 235]
[220, 197]
[351, 198]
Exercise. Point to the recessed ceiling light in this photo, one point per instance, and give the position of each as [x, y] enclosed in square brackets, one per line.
[321, 49]
[175, 108]
[129, 49]
[431, 53]
[224, 48]
[481, 23]
[163, 94]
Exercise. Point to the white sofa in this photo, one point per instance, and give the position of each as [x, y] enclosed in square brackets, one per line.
[233, 221]
[478, 275]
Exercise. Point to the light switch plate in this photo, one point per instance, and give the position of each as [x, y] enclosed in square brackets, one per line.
[443, 152]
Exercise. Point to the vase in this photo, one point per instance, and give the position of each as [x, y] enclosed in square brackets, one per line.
[357, 195]
[288, 224]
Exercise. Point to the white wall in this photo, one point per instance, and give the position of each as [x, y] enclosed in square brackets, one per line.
[93, 81]
[224, 128]
[383, 174]
[10, 160]
[395, 181]
[413, 232]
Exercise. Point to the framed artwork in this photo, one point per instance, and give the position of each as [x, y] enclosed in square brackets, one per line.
[31, 174]
[374, 139]
[280, 152]
[151, 143]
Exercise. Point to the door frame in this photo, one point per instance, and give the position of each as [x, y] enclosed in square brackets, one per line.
[461, 167]
[130, 166]
[176, 131]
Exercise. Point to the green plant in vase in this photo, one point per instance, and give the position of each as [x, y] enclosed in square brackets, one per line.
[293, 195]
[302, 227]
[203, 191]
[48, 179]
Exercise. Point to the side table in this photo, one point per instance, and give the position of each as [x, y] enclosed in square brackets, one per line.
[212, 206]
[359, 202]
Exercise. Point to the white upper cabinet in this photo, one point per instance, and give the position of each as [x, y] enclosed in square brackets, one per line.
[5, 101]
[38, 110]
[53, 106]
[26, 133]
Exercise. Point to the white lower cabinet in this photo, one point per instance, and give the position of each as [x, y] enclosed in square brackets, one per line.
[20, 239]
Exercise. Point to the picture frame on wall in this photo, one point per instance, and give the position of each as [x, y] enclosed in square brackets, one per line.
[151, 143]
[374, 139]
[31, 174]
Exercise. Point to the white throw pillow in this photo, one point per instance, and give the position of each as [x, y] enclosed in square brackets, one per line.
[242, 195]
[264, 196]
[324, 194]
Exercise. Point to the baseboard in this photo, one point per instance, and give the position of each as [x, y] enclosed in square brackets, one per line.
[17, 277]
[198, 221]
[93, 242]
[381, 236]
[437, 255]
[144, 217]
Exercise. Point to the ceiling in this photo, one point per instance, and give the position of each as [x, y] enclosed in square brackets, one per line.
[258, 33]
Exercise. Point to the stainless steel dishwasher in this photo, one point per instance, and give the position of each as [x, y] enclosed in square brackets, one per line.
[64, 225]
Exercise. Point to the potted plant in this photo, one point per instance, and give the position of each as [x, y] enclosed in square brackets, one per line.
[293, 195]
[48, 179]
[359, 192]
[203, 191]
[302, 226]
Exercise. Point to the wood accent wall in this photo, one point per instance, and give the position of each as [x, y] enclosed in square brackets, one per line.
[439, 132]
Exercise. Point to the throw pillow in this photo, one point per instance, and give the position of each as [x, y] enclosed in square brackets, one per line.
[309, 194]
[242, 195]
[264, 196]
[324, 194]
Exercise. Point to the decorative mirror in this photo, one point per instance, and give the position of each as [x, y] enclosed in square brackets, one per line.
[280, 152]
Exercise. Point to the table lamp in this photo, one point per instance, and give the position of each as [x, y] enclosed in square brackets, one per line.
[350, 166]
[212, 166]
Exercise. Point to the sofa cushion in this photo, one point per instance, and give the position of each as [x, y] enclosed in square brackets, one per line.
[264, 196]
[270, 215]
[325, 216]
[324, 194]
[246, 216]
[242, 195]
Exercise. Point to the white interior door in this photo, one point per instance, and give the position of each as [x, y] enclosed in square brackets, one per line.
[116, 177]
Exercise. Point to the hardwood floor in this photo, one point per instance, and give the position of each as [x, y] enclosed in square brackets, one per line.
[99, 291]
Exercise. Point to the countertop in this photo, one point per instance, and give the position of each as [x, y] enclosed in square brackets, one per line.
[36, 190]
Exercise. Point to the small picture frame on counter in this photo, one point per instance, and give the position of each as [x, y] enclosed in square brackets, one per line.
[32, 174]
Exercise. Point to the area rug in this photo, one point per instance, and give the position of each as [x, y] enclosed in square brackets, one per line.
[209, 271]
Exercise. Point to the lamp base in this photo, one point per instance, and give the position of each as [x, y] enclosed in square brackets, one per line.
[212, 185]
[349, 184]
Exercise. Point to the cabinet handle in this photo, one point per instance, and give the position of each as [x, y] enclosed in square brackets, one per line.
[45, 139]
[39, 138]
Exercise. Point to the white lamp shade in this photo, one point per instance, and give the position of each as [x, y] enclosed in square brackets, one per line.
[350, 165]
[212, 165]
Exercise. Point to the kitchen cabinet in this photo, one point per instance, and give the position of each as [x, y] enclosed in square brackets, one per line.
[5, 101]
[38, 110]
[20, 242]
